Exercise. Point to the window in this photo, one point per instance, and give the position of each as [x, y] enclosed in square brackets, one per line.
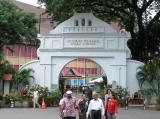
[83, 22]
[76, 23]
[89, 23]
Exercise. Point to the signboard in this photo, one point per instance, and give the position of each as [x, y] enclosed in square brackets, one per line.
[83, 43]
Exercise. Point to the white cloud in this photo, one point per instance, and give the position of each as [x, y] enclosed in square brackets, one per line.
[32, 2]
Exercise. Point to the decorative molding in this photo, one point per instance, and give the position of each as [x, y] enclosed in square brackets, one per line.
[118, 65]
[82, 50]
[31, 62]
[84, 29]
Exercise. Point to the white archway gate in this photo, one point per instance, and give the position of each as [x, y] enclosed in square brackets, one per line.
[93, 39]
[114, 71]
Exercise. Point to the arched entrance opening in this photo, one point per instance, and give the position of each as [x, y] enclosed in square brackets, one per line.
[79, 72]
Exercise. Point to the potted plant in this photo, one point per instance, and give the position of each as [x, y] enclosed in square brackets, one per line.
[7, 72]
[4, 101]
[16, 97]
[25, 102]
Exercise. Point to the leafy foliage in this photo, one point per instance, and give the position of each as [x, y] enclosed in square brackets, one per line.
[158, 100]
[43, 91]
[4, 67]
[122, 95]
[55, 94]
[21, 79]
[51, 97]
[15, 95]
[8, 69]
[146, 92]
[15, 25]
[149, 76]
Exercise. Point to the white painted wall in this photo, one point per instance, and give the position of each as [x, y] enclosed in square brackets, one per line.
[132, 82]
[38, 72]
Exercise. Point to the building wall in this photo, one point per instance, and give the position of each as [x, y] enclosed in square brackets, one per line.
[44, 21]
[19, 54]
[132, 82]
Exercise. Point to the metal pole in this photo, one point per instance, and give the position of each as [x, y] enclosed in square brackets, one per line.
[44, 75]
[85, 70]
[39, 27]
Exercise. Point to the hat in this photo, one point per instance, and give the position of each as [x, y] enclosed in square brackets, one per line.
[69, 92]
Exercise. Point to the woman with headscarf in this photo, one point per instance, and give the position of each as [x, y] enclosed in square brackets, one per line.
[82, 107]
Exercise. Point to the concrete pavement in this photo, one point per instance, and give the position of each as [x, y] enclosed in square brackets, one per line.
[53, 113]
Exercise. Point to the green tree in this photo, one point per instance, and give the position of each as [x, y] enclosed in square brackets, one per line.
[21, 79]
[146, 75]
[156, 63]
[149, 76]
[134, 15]
[15, 26]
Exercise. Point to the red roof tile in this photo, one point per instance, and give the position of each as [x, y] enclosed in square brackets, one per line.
[66, 70]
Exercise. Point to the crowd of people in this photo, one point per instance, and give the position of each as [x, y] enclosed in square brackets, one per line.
[89, 106]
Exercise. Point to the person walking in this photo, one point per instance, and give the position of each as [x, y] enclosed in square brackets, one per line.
[89, 93]
[107, 96]
[111, 107]
[83, 90]
[69, 106]
[82, 107]
[35, 99]
[95, 108]
[60, 105]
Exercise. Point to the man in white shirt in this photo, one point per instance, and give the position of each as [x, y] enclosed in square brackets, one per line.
[95, 108]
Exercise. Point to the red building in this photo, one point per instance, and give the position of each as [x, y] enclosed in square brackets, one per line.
[19, 54]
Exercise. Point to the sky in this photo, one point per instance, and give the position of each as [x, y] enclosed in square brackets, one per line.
[32, 2]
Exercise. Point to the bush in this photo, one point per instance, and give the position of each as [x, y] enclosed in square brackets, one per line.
[103, 90]
[15, 95]
[158, 100]
[55, 96]
[146, 92]
[50, 98]
[43, 91]
[8, 70]
[122, 95]
[5, 101]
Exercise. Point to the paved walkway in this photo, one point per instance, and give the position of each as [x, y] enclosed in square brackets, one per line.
[52, 113]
